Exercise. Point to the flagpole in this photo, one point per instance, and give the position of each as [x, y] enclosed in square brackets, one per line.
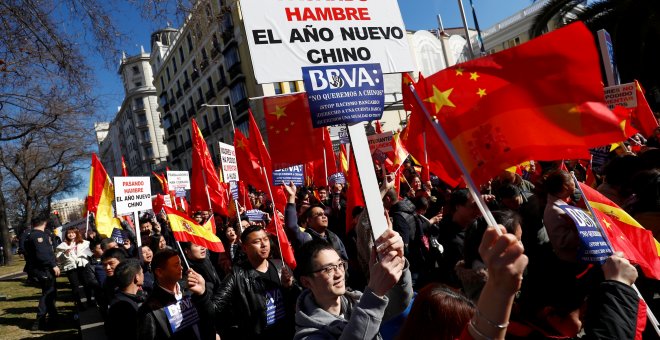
[465, 26]
[442, 40]
[279, 243]
[426, 154]
[138, 234]
[649, 312]
[325, 162]
[474, 190]
[183, 255]
[476, 25]
[87, 224]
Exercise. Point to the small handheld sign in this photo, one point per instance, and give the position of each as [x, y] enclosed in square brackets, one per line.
[291, 174]
[255, 215]
[228, 161]
[593, 247]
[178, 180]
[337, 178]
[132, 194]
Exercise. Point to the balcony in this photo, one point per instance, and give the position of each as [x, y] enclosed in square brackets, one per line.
[142, 123]
[216, 124]
[145, 140]
[210, 94]
[186, 84]
[234, 70]
[194, 75]
[204, 65]
[220, 84]
[179, 93]
[138, 107]
[241, 106]
[215, 51]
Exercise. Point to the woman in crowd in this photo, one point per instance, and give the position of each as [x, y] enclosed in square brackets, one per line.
[73, 256]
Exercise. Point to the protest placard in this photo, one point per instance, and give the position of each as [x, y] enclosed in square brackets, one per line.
[291, 174]
[593, 247]
[228, 162]
[178, 180]
[233, 187]
[381, 141]
[337, 178]
[255, 215]
[323, 33]
[132, 194]
[623, 95]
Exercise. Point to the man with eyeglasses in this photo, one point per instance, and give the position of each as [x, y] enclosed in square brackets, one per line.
[316, 224]
[327, 310]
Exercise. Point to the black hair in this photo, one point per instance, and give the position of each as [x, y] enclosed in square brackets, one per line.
[38, 220]
[554, 183]
[421, 203]
[249, 230]
[105, 242]
[473, 235]
[307, 253]
[114, 253]
[308, 212]
[126, 271]
[508, 191]
[619, 170]
[185, 245]
[161, 257]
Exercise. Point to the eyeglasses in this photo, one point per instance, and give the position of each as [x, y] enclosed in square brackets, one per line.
[331, 268]
[318, 215]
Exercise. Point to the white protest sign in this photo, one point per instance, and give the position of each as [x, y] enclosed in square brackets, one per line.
[168, 200]
[381, 141]
[132, 194]
[178, 180]
[339, 133]
[306, 33]
[228, 162]
[621, 95]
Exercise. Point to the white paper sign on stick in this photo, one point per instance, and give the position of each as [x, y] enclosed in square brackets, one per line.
[621, 95]
[132, 194]
[365, 167]
[178, 180]
[228, 162]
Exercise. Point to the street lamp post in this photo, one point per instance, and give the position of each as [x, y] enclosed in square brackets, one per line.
[230, 115]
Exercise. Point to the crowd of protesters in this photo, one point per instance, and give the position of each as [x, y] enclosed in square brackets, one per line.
[471, 281]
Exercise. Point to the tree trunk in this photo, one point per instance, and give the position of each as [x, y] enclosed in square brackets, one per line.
[4, 227]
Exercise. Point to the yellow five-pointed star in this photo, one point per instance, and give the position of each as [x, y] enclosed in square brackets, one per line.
[440, 99]
[481, 92]
[240, 143]
[279, 112]
[474, 76]
[459, 71]
[607, 224]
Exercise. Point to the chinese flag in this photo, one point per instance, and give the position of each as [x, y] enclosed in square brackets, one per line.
[285, 246]
[625, 233]
[643, 117]
[99, 198]
[249, 169]
[258, 146]
[203, 170]
[124, 170]
[186, 229]
[541, 100]
[163, 182]
[354, 196]
[408, 97]
[290, 126]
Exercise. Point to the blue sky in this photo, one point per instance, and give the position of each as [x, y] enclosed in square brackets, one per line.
[417, 15]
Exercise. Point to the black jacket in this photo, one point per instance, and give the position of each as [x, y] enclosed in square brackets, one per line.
[121, 322]
[612, 312]
[153, 323]
[403, 221]
[241, 304]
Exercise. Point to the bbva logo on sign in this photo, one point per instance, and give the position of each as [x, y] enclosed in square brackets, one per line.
[335, 78]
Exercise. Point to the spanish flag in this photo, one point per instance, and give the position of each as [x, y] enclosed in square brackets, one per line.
[187, 230]
[625, 234]
[343, 159]
[99, 198]
[124, 170]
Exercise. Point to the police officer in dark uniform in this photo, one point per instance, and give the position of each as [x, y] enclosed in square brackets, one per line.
[43, 267]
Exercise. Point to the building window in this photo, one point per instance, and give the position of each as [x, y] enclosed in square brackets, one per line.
[185, 75]
[209, 82]
[145, 136]
[181, 54]
[162, 84]
[136, 70]
[278, 88]
[139, 104]
[231, 58]
[292, 86]
[138, 83]
[167, 70]
[206, 122]
[204, 55]
[216, 113]
[149, 151]
[190, 44]
[174, 63]
[237, 93]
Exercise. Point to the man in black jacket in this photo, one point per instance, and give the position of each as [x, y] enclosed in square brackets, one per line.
[41, 265]
[171, 312]
[257, 299]
[121, 322]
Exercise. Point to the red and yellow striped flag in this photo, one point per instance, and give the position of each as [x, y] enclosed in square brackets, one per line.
[99, 198]
[124, 170]
[343, 160]
[186, 229]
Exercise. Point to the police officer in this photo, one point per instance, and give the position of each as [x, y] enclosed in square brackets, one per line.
[42, 266]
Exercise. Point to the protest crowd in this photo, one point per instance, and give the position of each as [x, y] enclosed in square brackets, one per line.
[260, 259]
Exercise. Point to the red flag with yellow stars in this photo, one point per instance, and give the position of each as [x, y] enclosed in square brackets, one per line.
[258, 146]
[203, 170]
[541, 100]
[408, 97]
[124, 170]
[289, 127]
[642, 116]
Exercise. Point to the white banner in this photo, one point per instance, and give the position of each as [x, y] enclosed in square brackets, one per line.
[284, 36]
[228, 162]
[381, 141]
[621, 95]
[132, 194]
[178, 180]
